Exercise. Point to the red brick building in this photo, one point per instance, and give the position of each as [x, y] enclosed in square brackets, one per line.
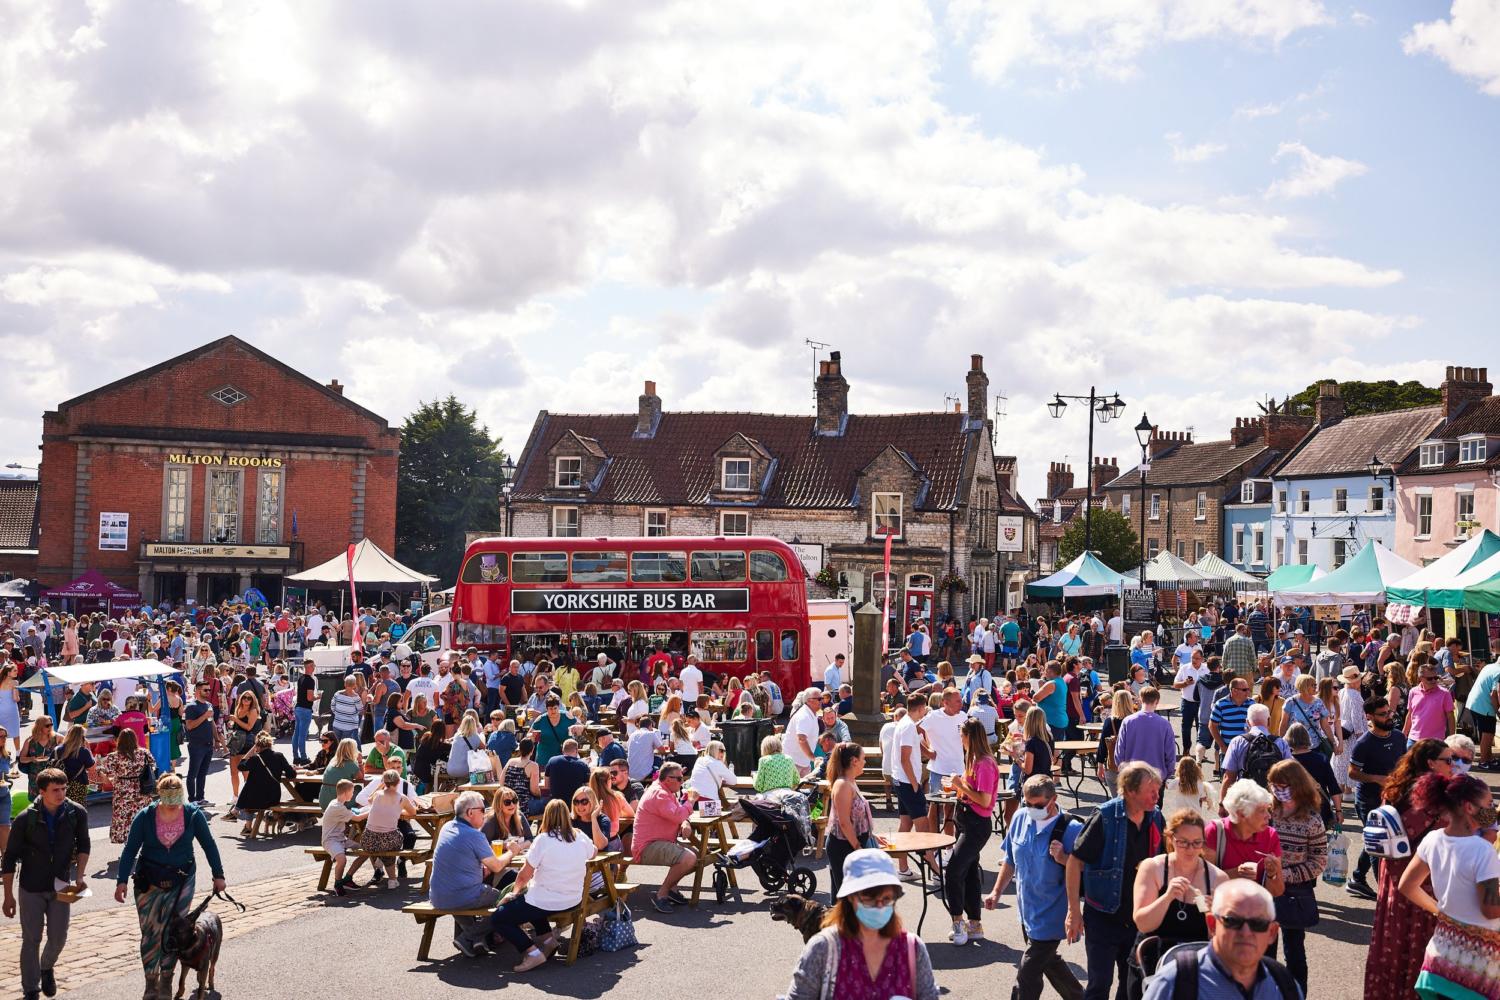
[217, 470]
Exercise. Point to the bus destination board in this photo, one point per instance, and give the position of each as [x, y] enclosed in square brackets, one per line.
[620, 601]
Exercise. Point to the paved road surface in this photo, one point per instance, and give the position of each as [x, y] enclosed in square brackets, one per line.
[296, 943]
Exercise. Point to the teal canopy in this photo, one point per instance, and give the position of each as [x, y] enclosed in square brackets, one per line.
[1441, 583]
[1291, 575]
[1361, 580]
[1085, 576]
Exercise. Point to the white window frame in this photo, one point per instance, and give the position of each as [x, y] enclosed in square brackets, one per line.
[724, 475]
[179, 506]
[1341, 500]
[1153, 548]
[1156, 506]
[1376, 503]
[1472, 449]
[1239, 546]
[724, 517]
[1459, 500]
[1340, 554]
[567, 526]
[269, 517]
[1181, 548]
[1247, 491]
[1125, 504]
[1301, 552]
[1304, 501]
[666, 522]
[1423, 500]
[1201, 511]
[1431, 455]
[876, 516]
[1258, 546]
[235, 518]
[1278, 546]
[569, 479]
[1281, 501]
[1200, 549]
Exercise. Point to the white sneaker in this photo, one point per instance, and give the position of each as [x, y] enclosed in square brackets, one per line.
[910, 875]
[944, 855]
[391, 883]
[960, 935]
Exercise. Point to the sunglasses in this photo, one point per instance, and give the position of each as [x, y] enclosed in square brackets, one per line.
[1445, 758]
[1257, 924]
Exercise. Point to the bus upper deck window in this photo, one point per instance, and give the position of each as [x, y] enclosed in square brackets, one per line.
[767, 567]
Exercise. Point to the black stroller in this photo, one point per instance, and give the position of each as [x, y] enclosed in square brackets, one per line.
[781, 833]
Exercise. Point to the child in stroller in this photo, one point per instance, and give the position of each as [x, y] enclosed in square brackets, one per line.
[283, 719]
[782, 831]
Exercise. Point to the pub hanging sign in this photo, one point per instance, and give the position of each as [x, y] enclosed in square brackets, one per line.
[532, 602]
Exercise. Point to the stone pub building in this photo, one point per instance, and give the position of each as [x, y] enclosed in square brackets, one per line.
[218, 470]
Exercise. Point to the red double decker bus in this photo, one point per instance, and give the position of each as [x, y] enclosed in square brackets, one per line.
[739, 604]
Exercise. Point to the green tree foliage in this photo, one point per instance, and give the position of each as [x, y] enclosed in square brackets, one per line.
[1373, 397]
[448, 483]
[1115, 542]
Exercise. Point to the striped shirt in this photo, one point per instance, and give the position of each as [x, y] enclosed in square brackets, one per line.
[1230, 718]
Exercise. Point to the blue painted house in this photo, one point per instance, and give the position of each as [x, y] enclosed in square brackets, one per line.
[1247, 527]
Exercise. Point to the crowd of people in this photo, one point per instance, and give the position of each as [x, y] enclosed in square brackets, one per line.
[1212, 835]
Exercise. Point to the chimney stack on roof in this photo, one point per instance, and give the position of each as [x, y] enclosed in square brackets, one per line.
[648, 412]
[1246, 430]
[1282, 430]
[833, 396]
[1105, 470]
[336, 386]
[1059, 479]
[1464, 385]
[1329, 408]
[979, 388]
[1164, 441]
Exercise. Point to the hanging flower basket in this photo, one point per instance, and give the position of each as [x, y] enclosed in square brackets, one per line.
[827, 577]
[953, 582]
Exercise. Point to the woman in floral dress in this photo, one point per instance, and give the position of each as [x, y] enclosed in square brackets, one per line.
[123, 769]
[1399, 939]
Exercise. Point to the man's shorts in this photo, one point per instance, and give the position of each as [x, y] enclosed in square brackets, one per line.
[1483, 724]
[662, 853]
[1008, 650]
[910, 802]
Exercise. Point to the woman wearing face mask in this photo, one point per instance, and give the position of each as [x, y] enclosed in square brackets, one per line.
[1172, 892]
[862, 950]
[1304, 854]
[1463, 957]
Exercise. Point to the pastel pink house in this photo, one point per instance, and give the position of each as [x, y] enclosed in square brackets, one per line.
[1447, 487]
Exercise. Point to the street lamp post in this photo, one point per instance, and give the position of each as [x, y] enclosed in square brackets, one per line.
[1143, 435]
[507, 485]
[1105, 410]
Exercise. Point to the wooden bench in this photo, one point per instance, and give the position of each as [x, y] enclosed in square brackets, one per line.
[414, 856]
[614, 894]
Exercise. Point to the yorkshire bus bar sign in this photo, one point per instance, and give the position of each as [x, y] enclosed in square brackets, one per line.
[532, 602]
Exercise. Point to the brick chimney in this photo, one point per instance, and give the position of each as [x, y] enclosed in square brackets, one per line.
[833, 396]
[1329, 408]
[1059, 479]
[1245, 431]
[1164, 441]
[1105, 470]
[1464, 385]
[979, 389]
[1284, 430]
[647, 412]
[336, 386]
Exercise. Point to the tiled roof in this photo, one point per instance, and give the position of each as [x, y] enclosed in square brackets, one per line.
[1347, 446]
[1482, 416]
[1012, 504]
[676, 465]
[1005, 463]
[18, 524]
[1194, 464]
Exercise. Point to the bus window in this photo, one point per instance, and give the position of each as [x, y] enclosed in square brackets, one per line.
[765, 646]
[643, 644]
[535, 645]
[539, 567]
[588, 645]
[720, 645]
[767, 567]
[718, 567]
[598, 567]
[658, 567]
[485, 567]
[789, 644]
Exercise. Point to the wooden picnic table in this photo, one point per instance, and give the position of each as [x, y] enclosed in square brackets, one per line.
[703, 830]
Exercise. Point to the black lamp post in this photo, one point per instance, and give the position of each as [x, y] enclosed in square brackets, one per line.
[1105, 410]
[507, 485]
[1143, 435]
[1382, 470]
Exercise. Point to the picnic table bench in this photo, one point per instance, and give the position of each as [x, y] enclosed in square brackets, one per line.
[415, 855]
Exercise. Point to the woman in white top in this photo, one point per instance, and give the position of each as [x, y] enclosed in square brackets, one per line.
[553, 882]
[638, 706]
[700, 732]
[711, 773]
[1188, 789]
[469, 738]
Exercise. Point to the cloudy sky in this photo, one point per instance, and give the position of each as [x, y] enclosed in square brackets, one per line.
[540, 204]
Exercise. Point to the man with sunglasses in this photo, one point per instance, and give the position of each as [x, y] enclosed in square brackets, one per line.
[1429, 713]
[461, 860]
[1242, 925]
[1371, 760]
[660, 819]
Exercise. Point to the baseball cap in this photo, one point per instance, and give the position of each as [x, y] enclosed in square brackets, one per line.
[867, 868]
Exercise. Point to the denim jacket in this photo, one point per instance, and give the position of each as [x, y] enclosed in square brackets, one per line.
[1104, 881]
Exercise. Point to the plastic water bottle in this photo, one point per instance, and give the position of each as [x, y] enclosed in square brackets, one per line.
[1337, 872]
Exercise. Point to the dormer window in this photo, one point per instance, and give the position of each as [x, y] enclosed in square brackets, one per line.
[569, 472]
[1247, 492]
[1473, 448]
[1431, 455]
[885, 515]
[735, 475]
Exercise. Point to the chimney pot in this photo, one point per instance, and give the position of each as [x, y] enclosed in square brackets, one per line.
[978, 384]
[336, 387]
[650, 388]
[648, 412]
[832, 391]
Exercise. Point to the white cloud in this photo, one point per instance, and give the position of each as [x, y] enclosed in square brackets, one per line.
[1469, 42]
[1311, 174]
[1200, 152]
[539, 205]
[1107, 39]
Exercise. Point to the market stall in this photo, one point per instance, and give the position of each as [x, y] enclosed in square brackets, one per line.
[1085, 576]
[1361, 580]
[1214, 567]
[93, 592]
[372, 569]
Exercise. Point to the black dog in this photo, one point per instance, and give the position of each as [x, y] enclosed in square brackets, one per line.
[195, 939]
[805, 915]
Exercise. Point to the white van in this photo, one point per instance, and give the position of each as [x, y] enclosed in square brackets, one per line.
[830, 629]
[431, 636]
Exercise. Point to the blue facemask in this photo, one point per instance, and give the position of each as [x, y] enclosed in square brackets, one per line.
[874, 917]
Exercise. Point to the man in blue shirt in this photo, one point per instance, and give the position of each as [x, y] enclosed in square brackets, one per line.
[1242, 925]
[1481, 705]
[1038, 835]
[1229, 718]
[610, 749]
[460, 862]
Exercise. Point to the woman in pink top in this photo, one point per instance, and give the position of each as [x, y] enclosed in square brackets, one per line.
[1429, 714]
[1246, 845]
[975, 789]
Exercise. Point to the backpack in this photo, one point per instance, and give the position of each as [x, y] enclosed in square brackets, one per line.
[1185, 986]
[1261, 754]
[1385, 834]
